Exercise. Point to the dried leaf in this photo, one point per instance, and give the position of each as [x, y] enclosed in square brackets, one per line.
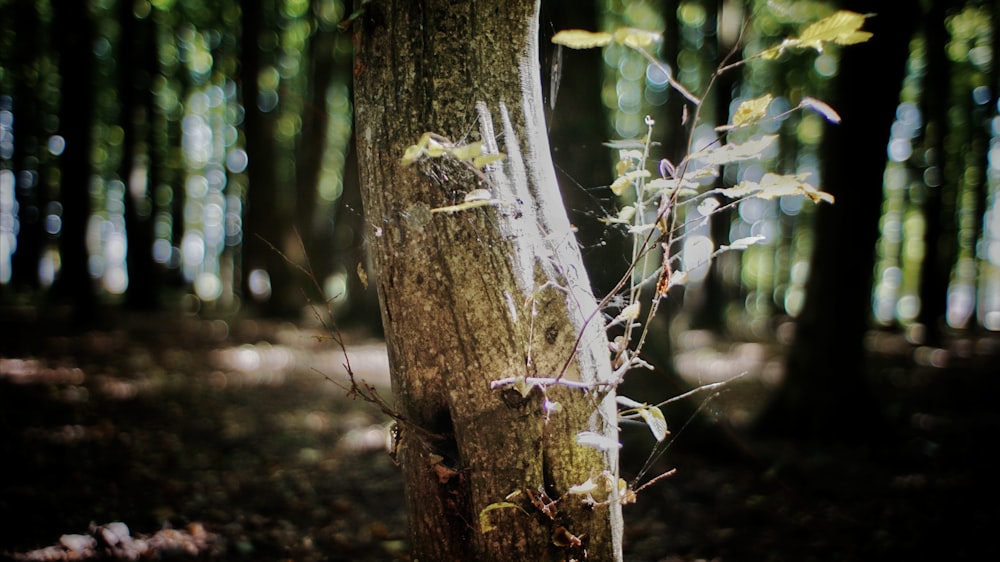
[822, 108]
[562, 538]
[362, 275]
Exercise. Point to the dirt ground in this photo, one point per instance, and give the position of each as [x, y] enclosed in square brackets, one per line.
[233, 440]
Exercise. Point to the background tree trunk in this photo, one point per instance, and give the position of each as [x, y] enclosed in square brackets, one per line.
[825, 392]
[483, 294]
[269, 207]
[73, 33]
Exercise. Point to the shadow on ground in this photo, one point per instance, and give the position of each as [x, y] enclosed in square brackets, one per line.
[241, 435]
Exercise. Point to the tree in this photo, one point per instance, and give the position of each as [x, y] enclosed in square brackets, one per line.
[482, 294]
[73, 31]
[268, 208]
[825, 391]
[135, 93]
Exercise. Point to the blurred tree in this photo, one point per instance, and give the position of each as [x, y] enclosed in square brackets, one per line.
[483, 294]
[73, 33]
[268, 212]
[825, 392]
[29, 94]
[573, 90]
[310, 146]
[135, 95]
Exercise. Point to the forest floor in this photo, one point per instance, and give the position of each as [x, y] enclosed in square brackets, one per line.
[213, 439]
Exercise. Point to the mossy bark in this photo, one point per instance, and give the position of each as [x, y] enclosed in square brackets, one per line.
[483, 294]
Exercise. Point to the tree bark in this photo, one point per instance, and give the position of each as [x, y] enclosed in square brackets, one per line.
[483, 294]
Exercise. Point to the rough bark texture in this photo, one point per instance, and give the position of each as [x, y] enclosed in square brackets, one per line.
[480, 295]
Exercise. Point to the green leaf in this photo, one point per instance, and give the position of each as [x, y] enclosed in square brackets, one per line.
[653, 417]
[581, 39]
[485, 524]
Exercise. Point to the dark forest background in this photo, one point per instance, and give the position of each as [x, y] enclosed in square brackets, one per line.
[196, 157]
[194, 160]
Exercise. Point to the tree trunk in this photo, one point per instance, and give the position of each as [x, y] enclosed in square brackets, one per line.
[482, 294]
[825, 392]
[73, 32]
[269, 206]
[29, 190]
[940, 238]
[134, 93]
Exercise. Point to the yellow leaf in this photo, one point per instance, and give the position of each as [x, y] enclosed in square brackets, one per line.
[581, 39]
[478, 195]
[729, 153]
[751, 111]
[464, 206]
[772, 186]
[434, 149]
[631, 312]
[635, 38]
[842, 28]
[485, 524]
[653, 417]
[487, 159]
[467, 152]
[623, 181]
[412, 154]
